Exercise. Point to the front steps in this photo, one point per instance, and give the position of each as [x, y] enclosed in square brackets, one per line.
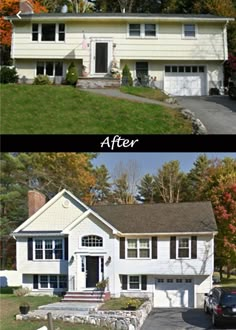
[91, 83]
[86, 296]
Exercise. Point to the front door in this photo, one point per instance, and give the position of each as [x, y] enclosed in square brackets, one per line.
[101, 57]
[92, 271]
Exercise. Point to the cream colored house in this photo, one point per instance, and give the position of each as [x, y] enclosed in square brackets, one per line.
[183, 53]
[161, 251]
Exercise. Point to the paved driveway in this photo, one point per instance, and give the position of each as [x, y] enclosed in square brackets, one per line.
[178, 319]
[217, 113]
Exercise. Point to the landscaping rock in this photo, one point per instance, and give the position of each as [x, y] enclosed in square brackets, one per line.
[187, 114]
[198, 127]
[171, 100]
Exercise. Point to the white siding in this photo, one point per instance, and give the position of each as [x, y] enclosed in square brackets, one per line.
[26, 266]
[56, 217]
[10, 278]
[169, 43]
[164, 265]
[91, 226]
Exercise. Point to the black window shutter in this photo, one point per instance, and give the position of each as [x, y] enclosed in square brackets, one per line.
[30, 248]
[122, 248]
[35, 282]
[154, 247]
[194, 247]
[173, 247]
[143, 282]
[124, 281]
[66, 248]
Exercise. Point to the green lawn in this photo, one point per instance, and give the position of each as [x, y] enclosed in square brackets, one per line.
[29, 109]
[120, 303]
[150, 93]
[227, 281]
[9, 307]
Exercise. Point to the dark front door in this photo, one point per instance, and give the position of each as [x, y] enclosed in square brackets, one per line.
[92, 268]
[101, 57]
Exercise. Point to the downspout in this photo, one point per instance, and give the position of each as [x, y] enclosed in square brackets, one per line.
[225, 41]
[225, 53]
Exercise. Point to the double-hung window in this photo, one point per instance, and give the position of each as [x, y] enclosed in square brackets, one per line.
[134, 282]
[53, 281]
[48, 249]
[184, 247]
[189, 31]
[134, 30]
[48, 32]
[142, 30]
[138, 248]
[50, 68]
[150, 30]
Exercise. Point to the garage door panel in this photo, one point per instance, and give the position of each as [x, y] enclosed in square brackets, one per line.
[174, 294]
[185, 84]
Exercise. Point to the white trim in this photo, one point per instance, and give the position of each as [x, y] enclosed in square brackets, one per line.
[44, 249]
[142, 31]
[48, 41]
[54, 67]
[225, 42]
[189, 37]
[93, 42]
[48, 282]
[140, 235]
[189, 247]
[46, 206]
[138, 249]
[156, 18]
[83, 216]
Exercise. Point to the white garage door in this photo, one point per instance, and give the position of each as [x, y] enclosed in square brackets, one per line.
[185, 80]
[174, 293]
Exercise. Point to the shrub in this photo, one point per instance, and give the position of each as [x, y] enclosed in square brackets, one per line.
[8, 290]
[41, 80]
[72, 75]
[8, 75]
[21, 292]
[126, 76]
[132, 303]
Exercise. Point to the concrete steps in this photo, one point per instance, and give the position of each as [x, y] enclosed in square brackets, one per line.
[86, 296]
[91, 83]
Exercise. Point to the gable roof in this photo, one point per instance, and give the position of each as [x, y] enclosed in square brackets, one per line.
[121, 17]
[196, 217]
[45, 207]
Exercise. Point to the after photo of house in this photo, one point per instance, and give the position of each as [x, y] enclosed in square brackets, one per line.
[156, 67]
[118, 240]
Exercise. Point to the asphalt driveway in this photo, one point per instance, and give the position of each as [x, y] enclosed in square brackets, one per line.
[217, 113]
[178, 319]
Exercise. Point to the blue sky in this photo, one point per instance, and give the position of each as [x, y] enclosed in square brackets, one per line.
[149, 162]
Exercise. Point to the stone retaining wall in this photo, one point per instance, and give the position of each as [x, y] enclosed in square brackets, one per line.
[115, 320]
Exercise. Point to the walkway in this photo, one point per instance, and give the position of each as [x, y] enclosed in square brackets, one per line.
[63, 310]
[110, 92]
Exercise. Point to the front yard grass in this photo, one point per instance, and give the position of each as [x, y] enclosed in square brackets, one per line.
[121, 303]
[9, 307]
[227, 281]
[29, 109]
[150, 93]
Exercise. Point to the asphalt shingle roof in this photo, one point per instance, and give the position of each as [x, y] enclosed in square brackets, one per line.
[160, 218]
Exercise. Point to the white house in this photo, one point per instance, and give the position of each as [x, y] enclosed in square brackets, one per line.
[183, 53]
[163, 251]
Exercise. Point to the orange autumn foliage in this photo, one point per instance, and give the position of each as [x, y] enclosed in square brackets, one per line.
[9, 8]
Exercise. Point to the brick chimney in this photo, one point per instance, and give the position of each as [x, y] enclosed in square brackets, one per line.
[26, 7]
[35, 201]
